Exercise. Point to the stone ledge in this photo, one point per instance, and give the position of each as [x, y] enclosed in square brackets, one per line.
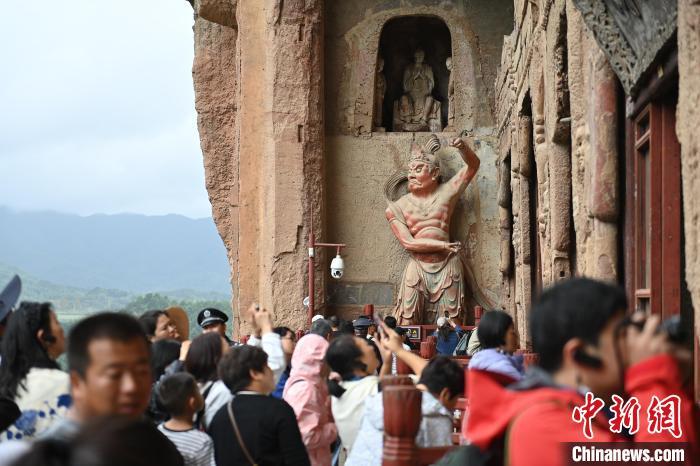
[221, 12]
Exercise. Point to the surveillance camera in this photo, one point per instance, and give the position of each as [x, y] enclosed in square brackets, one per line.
[337, 267]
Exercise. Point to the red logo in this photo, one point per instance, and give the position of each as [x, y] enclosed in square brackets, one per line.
[665, 415]
[585, 414]
[625, 414]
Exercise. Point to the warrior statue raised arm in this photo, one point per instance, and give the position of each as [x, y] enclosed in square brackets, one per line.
[433, 281]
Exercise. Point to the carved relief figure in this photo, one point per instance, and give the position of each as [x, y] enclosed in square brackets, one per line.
[450, 96]
[433, 280]
[417, 110]
[379, 91]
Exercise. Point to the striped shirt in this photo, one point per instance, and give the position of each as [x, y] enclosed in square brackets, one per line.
[196, 447]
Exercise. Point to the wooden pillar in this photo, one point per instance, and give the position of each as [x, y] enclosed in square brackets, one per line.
[402, 415]
[428, 348]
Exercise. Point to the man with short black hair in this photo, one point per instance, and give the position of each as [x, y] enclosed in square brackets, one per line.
[110, 371]
[585, 344]
[390, 322]
[267, 427]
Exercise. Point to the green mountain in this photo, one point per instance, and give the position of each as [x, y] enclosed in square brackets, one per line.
[72, 303]
[68, 298]
[103, 253]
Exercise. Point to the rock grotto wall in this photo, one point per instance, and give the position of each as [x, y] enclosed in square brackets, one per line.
[558, 155]
[360, 162]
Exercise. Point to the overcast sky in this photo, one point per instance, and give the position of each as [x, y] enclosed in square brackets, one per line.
[97, 108]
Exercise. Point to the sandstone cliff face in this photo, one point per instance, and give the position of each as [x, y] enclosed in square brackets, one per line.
[257, 77]
[215, 84]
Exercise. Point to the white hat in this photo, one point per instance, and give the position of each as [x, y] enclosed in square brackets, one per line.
[316, 317]
[441, 321]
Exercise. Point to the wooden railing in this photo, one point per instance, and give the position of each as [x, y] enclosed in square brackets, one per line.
[402, 416]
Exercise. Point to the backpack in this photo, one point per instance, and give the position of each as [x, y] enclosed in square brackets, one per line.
[461, 348]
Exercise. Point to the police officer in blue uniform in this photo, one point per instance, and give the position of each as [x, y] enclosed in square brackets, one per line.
[213, 320]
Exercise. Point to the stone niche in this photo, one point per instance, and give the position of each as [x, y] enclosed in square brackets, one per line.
[400, 39]
[363, 167]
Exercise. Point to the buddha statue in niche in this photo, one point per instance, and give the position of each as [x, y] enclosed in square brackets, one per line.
[417, 110]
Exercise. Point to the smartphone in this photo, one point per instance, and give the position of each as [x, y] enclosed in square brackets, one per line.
[378, 323]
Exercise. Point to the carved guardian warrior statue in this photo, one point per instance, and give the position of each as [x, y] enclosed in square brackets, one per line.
[433, 281]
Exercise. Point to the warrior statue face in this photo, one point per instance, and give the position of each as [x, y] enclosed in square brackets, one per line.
[423, 167]
[448, 63]
[423, 175]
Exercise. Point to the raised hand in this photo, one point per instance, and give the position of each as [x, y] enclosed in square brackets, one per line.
[459, 144]
[390, 340]
[647, 342]
[184, 348]
[263, 320]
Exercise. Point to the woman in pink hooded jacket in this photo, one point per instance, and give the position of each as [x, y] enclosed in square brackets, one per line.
[307, 393]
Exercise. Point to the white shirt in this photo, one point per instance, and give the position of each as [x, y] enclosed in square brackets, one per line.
[272, 345]
[218, 396]
[44, 400]
[348, 410]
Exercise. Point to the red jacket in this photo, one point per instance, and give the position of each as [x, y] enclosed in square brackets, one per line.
[540, 419]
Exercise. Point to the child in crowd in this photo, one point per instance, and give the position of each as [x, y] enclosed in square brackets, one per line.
[180, 396]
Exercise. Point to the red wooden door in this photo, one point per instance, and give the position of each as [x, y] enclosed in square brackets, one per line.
[654, 209]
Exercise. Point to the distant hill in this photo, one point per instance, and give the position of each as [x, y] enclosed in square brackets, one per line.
[65, 297]
[133, 253]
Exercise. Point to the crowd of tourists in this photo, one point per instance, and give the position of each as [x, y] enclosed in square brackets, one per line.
[135, 393]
